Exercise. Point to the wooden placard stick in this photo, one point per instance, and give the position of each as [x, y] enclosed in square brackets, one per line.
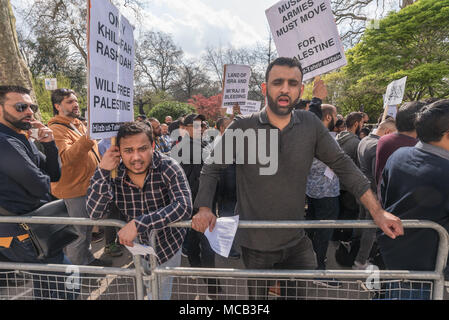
[114, 171]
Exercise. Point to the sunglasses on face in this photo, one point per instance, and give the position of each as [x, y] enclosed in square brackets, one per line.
[21, 107]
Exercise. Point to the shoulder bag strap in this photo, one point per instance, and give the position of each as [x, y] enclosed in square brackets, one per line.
[76, 130]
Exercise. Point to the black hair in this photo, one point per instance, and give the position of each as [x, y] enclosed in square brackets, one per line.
[58, 95]
[220, 122]
[433, 121]
[352, 118]
[365, 130]
[302, 104]
[406, 116]
[4, 90]
[339, 123]
[132, 128]
[282, 61]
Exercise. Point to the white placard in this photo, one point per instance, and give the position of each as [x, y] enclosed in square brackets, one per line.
[235, 88]
[111, 69]
[392, 111]
[306, 30]
[395, 92]
[51, 84]
[250, 107]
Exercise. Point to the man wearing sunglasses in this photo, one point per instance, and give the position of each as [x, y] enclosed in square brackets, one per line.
[79, 158]
[25, 176]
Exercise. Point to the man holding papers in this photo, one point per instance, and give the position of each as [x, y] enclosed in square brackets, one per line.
[262, 194]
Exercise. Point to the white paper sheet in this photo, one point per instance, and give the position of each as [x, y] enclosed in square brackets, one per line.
[221, 238]
[140, 249]
[329, 173]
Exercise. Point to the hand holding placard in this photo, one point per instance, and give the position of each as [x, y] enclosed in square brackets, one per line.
[111, 159]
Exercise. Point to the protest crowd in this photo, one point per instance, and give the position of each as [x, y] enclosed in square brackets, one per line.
[322, 166]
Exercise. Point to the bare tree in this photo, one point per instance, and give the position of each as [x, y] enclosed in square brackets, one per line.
[352, 15]
[190, 79]
[157, 59]
[65, 21]
[257, 58]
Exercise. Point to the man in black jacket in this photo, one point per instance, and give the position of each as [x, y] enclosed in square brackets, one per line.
[25, 176]
[190, 152]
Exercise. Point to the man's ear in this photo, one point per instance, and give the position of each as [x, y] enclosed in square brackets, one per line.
[302, 91]
[264, 89]
[58, 107]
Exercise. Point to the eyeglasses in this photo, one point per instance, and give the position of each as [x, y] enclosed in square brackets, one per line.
[21, 107]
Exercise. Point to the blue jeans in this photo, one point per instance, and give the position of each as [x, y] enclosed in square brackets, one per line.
[407, 291]
[322, 209]
[44, 286]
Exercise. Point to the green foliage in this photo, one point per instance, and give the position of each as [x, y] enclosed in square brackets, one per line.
[43, 96]
[171, 108]
[145, 100]
[412, 42]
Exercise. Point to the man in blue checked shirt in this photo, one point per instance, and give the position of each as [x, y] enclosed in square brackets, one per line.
[150, 190]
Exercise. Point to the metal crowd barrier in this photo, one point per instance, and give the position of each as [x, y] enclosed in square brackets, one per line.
[196, 282]
[88, 282]
[129, 283]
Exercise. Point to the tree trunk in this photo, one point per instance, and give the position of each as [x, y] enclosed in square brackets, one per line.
[13, 69]
[406, 3]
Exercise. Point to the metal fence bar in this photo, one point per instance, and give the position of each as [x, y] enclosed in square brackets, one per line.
[137, 272]
[437, 275]
[308, 274]
[64, 267]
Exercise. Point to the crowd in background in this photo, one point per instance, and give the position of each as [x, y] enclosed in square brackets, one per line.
[404, 161]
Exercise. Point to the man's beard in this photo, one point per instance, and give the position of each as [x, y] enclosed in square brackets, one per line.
[277, 110]
[357, 132]
[17, 123]
[73, 115]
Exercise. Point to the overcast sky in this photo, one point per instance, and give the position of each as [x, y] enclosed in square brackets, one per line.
[196, 24]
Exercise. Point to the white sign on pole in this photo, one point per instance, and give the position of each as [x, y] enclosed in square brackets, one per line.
[235, 88]
[392, 111]
[306, 30]
[51, 84]
[395, 92]
[111, 69]
[250, 107]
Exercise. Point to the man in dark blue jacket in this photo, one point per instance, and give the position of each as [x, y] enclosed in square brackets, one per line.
[25, 176]
[416, 186]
